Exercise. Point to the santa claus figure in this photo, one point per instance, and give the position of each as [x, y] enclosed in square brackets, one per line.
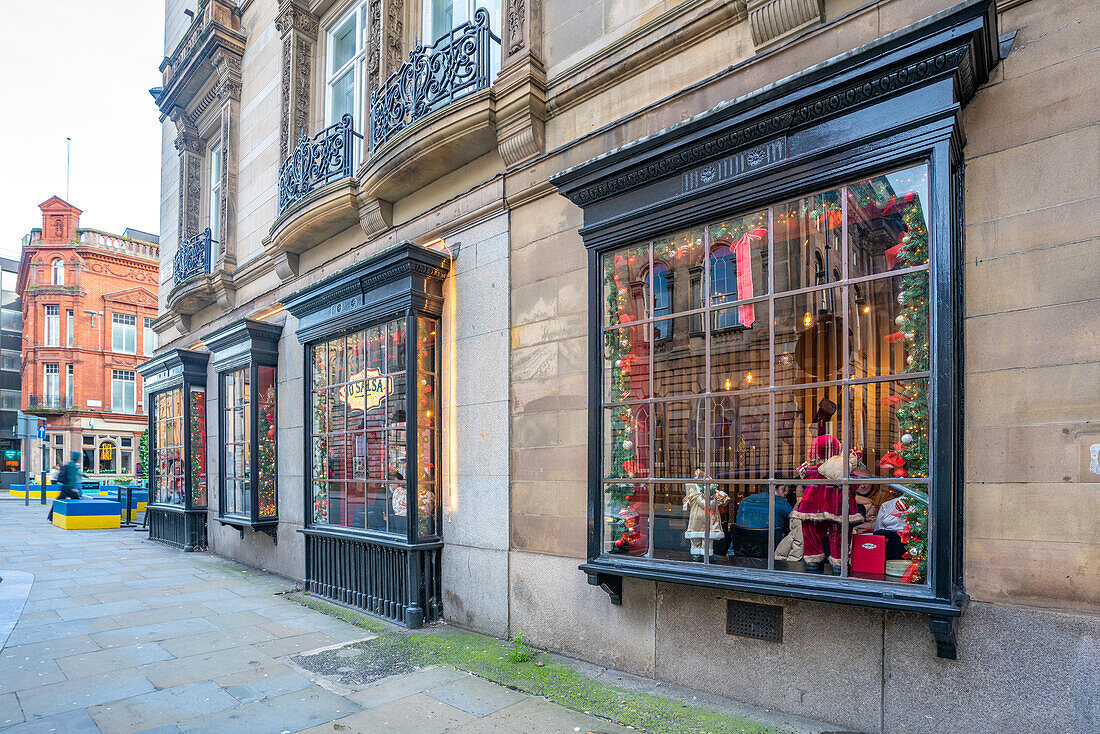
[820, 508]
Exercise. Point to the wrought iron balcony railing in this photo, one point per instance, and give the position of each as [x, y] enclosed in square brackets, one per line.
[193, 256]
[326, 157]
[457, 64]
[51, 402]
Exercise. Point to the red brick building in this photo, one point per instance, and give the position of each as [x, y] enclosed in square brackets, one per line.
[89, 300]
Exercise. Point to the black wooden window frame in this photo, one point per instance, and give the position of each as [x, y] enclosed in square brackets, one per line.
[395, 577]
[181, 525]
[247, 344]
[893, 103]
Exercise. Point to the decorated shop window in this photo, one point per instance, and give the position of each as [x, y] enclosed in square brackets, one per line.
[768, 391]
[244, 356]
[168, 477]
[197, 443]
[363, 399]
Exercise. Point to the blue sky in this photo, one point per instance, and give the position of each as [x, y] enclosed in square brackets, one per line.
[82, 69]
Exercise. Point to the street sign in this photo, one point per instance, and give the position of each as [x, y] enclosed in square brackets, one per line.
[41, 433]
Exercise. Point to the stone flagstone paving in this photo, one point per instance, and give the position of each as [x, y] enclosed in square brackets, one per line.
[121, 635]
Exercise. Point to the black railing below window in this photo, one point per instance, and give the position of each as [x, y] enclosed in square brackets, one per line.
[400, 583]
[193, 256]
[183, 529]
[457, 64]
[49, 401]
[326, 157]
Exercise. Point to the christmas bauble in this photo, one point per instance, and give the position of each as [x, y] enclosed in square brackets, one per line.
[909, 359]
[628, 444]
[618, 364]
[907, 438]
[900, 319]
[909, 335]
[905, 239]
[271, 433]
[903, 296]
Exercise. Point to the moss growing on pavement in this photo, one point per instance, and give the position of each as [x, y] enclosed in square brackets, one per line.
[394, 652]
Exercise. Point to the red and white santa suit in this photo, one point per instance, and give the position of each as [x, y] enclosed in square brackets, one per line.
[820, 508]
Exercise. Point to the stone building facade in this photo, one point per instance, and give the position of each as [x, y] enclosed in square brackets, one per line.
[89, 300]
[434, 351]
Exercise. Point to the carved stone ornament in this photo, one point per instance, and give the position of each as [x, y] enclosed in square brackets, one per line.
[773, 21]
[395, 33]
[516, 18]
[296, 17]
[228, 68]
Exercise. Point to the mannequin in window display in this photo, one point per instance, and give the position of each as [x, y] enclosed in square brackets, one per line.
[700, 514]
[820, 506]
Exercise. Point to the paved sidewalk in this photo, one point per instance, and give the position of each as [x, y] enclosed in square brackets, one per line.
[119, 634]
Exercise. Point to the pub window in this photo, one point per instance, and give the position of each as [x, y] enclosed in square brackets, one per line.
[107, 452]
[810, 417]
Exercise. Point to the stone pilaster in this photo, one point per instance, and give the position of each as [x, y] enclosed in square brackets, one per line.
[298, 30]
[191, 149]
[228, 87]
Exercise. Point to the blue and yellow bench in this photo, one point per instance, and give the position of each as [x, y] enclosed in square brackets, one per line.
[20, 490]
[139, 498]
[97, 514]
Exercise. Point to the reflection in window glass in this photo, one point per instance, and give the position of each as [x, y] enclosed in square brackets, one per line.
[198, 447]
[782, 427]
[236, 388]
[168, 466]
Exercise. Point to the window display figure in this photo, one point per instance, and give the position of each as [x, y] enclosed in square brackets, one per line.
[820, 506]
[699, 513]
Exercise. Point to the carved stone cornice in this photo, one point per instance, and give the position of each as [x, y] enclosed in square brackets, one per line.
[774, 21]
[228, 68]
[216, 28]
[294, 15]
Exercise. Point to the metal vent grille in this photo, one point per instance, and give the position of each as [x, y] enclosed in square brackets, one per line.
[758, 621]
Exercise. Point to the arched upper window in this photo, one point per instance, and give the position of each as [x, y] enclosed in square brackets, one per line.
[662, 300]
[57, 271]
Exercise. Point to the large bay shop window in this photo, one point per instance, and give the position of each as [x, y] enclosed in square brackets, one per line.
[774, 334]
[175, 384]
[244, 358]
[371, 336]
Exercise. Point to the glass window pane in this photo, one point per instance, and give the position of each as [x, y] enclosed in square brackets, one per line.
[678, 260]
[626, 431]
[626, 363]
[888, 222]
[811, 341]
[679, 357]
[739, 355]
[626, 518]
[808, 239]
[343, 43]
[739, 259]
[739, 436]
[343, 96]
[890, 320]
[678, 433]
[625, 278]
